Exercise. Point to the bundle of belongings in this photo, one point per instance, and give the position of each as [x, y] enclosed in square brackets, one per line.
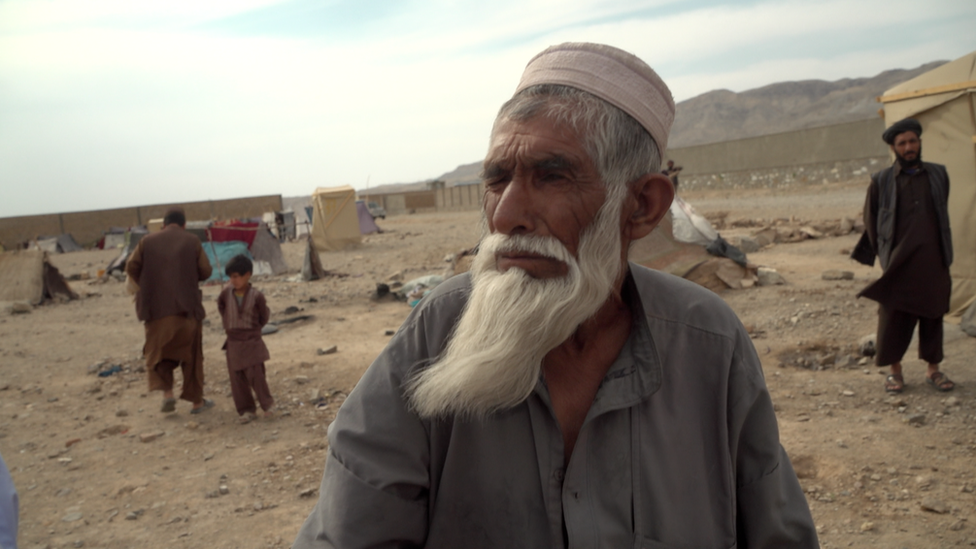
[685, 244]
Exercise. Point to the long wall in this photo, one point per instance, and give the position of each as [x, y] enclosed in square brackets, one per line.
[87, 227]
[803, 157]
[461, 197]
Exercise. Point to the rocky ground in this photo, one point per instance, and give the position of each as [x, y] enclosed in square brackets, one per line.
[97, 464]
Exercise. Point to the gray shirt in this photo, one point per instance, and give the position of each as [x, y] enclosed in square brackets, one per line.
[680, 448]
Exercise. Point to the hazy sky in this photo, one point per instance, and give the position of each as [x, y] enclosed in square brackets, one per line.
[111, 103]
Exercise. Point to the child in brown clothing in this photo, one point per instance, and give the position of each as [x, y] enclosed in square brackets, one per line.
[244, 312]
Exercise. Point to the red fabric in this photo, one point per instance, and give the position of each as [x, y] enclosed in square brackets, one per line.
[227, 231]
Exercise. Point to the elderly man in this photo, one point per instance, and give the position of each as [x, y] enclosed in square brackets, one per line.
[560, 396]
[168, 267]
[906, 218]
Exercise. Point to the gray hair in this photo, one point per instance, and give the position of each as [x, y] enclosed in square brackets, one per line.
[620, 147]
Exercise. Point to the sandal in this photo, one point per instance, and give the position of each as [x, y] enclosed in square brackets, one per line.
[248, 417]
[207, 404]
[169, 405]
[894, 383]
[940, 382]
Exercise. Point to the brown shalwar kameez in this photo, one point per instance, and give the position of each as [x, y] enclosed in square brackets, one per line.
[175, 341]
[916, 285]
[168, 267]
[246, 351]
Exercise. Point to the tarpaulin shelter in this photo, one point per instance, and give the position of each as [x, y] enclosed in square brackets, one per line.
[27, 275]
[335, 224]
[60, 244]
[367, 225]
[944, 100]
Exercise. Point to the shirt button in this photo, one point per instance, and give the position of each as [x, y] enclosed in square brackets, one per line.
[558, 475]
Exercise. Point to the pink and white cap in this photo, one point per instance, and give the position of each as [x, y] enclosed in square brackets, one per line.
[617, 77]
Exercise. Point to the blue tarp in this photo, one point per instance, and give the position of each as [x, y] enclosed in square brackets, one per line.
[225, 251]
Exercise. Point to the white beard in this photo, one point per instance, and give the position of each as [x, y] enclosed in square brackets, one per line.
[512, 320]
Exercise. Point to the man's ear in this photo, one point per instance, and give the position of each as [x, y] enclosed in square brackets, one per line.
[650, 198]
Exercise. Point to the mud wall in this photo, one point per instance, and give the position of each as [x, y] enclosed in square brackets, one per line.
[87, 227]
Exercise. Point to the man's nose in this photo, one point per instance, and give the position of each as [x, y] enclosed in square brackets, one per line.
[514, 211]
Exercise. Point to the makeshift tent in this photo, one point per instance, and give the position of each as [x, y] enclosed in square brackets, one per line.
[944, 100]
[220, 253]
[60, 244]
[26, 275]
[266, 248]
[366, 223]
[132, 238]
[335, 225]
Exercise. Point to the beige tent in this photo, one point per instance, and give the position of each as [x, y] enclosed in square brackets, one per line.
[335, 224]
[944, 101]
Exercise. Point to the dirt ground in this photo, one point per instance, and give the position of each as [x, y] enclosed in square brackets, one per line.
[878, 470]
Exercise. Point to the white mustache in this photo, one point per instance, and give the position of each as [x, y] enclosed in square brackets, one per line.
[545, 246]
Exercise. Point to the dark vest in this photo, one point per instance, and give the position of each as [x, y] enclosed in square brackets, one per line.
[888, 201]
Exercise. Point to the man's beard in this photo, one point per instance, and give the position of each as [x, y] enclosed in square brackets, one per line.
[512, 320]
[910, 163]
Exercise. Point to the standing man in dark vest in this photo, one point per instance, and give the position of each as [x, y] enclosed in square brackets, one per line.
[907, 221]
[168, 266]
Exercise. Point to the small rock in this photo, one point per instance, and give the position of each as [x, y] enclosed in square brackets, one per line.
[208, 457]
[958, 525]
[867, 346]
[864, 361]
[389, 332]
[811, 232]
[923, 481]
[72, 442]
[916, 419]
[307, 493]
[934, 506]
[258, 506]
[20, 308]
[71, 517]
[746, 244]
[191, 425]
[847, 393]
[291, 310]
[769, 277]
[301, 380]
[121, 413]
[834, 274]
[149, 437]
[327, 350]
[846, 226]
[952, 401]
[212, 494]
[131, 516]
[224, 490]
[867, 526]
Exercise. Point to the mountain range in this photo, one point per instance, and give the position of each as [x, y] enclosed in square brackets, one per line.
[724, 115]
